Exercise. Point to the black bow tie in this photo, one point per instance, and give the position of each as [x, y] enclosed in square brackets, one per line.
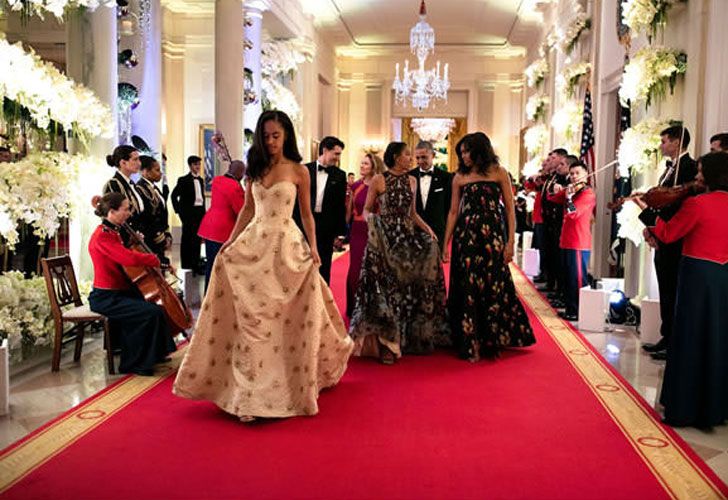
[321, 168]
[429, 172]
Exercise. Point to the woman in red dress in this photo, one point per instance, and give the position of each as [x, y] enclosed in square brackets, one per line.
[370, 166]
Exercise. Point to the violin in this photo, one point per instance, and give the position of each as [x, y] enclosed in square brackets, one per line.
[662, 196]
[154, 287]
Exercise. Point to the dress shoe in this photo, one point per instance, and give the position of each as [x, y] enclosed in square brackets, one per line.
[539, 279]
[659, 355]
[657, 346]
[568, 316]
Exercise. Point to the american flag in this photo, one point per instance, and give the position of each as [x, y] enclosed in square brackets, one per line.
[587, 134]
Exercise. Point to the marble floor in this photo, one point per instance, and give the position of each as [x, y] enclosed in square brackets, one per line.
[37, 395]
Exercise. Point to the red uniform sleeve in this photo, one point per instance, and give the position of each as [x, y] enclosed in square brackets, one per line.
[109, 244]
[238, 200]
[584, 204]
[680, 224]
[559, 197]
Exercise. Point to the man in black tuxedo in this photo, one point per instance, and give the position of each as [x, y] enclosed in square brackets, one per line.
[434, 190]
[679, 169]
[188, 200]
[328, 200]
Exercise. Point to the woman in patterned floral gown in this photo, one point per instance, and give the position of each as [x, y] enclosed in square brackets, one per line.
[400, 301]
[485, 312]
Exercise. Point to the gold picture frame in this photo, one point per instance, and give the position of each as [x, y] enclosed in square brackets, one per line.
[207, 153]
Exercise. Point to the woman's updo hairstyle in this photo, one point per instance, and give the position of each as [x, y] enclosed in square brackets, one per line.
[109, 201]
[120, 153]
[394, 149]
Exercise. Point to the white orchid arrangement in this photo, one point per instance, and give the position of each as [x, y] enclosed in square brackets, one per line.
[39, 190]
[25, 312]
[645, 16]
[532, 166]
[640, 146]
[536, 106]
[535, 139]
[536, 72]
[569, 35]
[571, 76]
[55, 7]
[49, 96]
[566, 122]
[650, 73]
[278, 96]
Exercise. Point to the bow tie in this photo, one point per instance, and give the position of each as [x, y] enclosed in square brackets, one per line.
[321, 168]
[429, 172]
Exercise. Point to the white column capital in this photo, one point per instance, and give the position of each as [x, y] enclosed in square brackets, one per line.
[255, 8]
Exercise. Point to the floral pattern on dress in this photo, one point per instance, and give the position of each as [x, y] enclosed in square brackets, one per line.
[483, 304]
[401, 294]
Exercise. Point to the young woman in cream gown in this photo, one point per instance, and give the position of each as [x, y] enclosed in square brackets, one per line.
[269, 336]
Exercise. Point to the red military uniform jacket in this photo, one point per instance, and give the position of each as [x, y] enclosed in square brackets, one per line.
[576, 230]
[703, 225]
[109, 254]
[228, 199]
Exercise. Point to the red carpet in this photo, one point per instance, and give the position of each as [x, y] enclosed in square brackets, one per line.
[529, 425]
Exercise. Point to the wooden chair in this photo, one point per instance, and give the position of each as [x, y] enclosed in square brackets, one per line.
[62, 291]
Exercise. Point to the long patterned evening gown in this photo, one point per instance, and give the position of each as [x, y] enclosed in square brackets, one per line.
[400, 301]
[483, 304]
[269, 336]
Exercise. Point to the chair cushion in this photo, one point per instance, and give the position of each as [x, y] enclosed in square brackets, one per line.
[81, 313]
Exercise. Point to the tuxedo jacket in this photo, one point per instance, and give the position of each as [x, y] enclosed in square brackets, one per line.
[438, 200]
[154, 220]
[117, 184]
[183, 197]
[332, 221]
[686, 172]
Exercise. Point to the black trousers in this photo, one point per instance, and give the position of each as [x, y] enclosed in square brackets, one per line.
[325, 246]
[552, 255]
[190, 243]
[667, 264]
[138, 326]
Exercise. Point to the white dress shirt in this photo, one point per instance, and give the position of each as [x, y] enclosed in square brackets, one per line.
[425, 181]
[199, 199]
[321, 177]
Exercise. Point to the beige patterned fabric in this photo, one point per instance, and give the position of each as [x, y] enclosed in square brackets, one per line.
[269, 336]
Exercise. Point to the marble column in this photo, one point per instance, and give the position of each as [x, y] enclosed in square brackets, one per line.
[229, 73]
[252, 55]
[91, 53]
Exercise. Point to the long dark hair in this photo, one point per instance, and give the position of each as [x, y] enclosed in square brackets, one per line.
[481, 153]
[714, 167]
[258, 157]
[122, 152]
[107, 202]
[394, 149]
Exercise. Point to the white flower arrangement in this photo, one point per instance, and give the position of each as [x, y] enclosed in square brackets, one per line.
[278, 96]
[567, 121]
[49, 95]
[536, 72]
[639, 147]
[535, 139]
[532, 167]
[39, 190]
[55, 7]
[25, 312]
[630, 225]
[571, 76]
[645, 16]
[536, 106]
[568, 36]
[649, 74]
[283, 57]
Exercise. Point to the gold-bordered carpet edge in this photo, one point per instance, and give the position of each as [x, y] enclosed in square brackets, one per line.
[677, 472]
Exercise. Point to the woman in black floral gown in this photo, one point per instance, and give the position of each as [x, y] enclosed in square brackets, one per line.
[485, 312]
[400, 304]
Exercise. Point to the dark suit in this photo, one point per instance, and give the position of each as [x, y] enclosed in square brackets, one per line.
[331, 221]
[183, 202]
[154, 220]
[438, 200]
[667, 255]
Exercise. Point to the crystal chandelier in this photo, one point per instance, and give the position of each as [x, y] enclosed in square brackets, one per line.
[432, 129]
[421, 85]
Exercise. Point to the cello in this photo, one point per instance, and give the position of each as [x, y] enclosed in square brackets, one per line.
[154, 287]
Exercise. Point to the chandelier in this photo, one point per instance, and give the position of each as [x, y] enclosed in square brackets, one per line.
[421, 85]
[432, 129]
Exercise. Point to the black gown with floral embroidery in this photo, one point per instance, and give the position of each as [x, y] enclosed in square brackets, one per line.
[400, 300]
[482, 302]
